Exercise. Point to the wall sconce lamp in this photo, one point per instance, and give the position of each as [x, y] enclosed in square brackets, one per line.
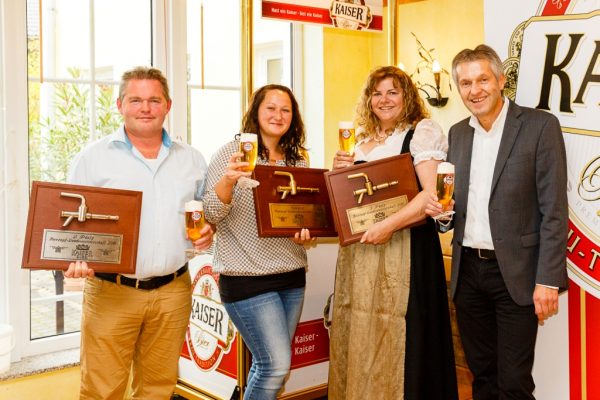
[437, 100]
[432, 93]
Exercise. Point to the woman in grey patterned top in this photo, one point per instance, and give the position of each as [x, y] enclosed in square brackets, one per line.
[261, 279]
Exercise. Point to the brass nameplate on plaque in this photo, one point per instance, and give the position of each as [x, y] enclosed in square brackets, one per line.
[86, 246]
[361, 218]
[290, 215]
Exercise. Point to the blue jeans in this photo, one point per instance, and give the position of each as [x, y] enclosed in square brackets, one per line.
[267, 323]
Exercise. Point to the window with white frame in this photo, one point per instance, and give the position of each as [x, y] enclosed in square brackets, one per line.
[63, 94]
[76, 53]
[214, 67]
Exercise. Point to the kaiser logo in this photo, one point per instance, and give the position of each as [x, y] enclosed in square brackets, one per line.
[350, 14]
[567, 85]
[196, 215]
[210, 332]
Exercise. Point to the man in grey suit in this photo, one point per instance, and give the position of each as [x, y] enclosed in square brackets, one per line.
[510, 226]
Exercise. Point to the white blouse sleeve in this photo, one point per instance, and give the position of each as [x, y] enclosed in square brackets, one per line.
[428, 142]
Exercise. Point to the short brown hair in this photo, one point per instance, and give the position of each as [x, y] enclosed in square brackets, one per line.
[413, 109]
[481, 52]
[139, 73]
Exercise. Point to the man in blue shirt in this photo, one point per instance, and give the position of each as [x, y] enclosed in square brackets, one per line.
[137, 323]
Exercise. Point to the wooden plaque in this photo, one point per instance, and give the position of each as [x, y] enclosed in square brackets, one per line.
[308, 208]
[107, 239]
[393, 183]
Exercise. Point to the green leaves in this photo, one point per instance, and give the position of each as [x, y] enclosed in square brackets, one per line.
[60, 128]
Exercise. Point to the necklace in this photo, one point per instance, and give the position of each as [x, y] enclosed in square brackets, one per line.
[381, 137]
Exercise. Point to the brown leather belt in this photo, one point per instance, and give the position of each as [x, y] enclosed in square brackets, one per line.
[482, 254]
[147, 284]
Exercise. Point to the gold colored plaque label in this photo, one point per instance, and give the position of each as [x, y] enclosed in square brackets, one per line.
[361, 218]
[297, 215]
[84, 246]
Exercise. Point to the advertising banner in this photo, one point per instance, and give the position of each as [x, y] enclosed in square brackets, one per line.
[551, 50]
[210, 358]
[347, 14]
[212, 363]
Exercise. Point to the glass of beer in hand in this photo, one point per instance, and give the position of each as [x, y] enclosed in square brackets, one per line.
[249, 149]
[194, 219]
[347, 136]
[445, 187]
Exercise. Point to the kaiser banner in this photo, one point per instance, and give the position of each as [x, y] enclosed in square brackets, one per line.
[347, 14]
[552, 62]
[213, 363]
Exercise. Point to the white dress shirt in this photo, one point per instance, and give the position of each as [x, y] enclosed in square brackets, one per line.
[167, 182]
[483, 160]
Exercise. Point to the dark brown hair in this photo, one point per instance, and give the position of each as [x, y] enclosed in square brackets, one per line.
[292, 142]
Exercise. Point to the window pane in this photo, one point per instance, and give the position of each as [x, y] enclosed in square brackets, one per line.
[213, 42]
[215, 118]
[121, 41]
[72, 106]
[51, 315]
[65, 37]
[108, 119]
[59, 127]
[272, 50]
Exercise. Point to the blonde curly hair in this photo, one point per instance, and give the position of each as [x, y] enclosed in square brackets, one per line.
[414, 108]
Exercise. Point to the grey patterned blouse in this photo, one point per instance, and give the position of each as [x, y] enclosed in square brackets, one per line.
[238, 249]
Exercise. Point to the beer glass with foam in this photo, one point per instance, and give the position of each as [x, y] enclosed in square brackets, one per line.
[249, 149]
[346, 136]
[194, 219]
[445, 187]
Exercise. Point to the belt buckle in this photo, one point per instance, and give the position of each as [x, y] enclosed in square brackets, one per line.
[482, 257]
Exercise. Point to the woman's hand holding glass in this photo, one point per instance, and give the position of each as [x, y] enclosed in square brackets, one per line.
[249, 155]
[236, 169]
[342, 159]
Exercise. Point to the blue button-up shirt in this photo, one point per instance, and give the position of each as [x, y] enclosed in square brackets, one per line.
[174, 177]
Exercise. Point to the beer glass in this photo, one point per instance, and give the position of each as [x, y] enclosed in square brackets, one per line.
[347, 136]
[249, 147]
[445, 187]
[194, 221]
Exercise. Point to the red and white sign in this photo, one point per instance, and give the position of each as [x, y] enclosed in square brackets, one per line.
[209, 359]
[347, 14]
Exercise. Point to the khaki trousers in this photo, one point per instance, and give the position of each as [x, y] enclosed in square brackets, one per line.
[125, 330]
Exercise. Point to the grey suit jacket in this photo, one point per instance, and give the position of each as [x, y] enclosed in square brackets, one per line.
[528, 203]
